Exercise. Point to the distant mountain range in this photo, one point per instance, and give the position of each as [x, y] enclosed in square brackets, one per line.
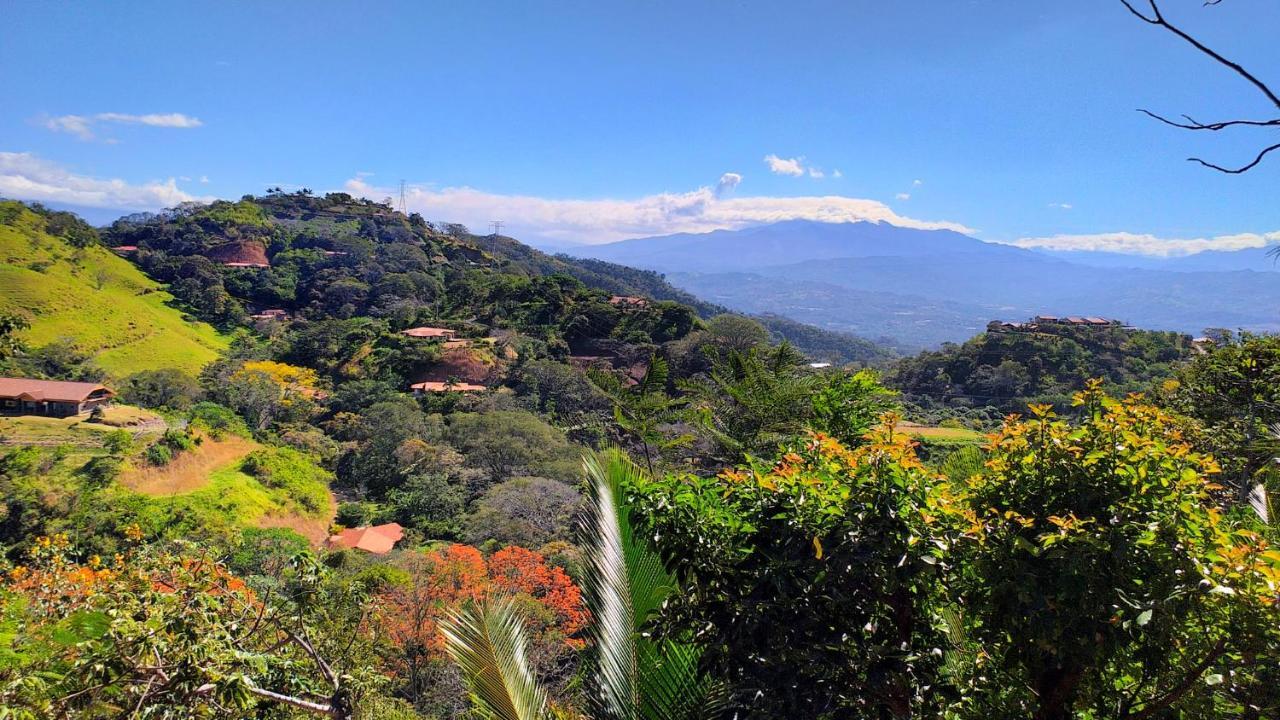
[918, 288]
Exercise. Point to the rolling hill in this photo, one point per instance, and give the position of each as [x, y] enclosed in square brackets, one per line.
[99, 302]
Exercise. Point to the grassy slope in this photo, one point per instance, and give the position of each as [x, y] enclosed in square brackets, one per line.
[127, 324]
[209, 487]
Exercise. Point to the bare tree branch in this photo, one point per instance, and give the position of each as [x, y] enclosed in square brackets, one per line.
[1193, 124]
[1241, 169]
[1157, 18]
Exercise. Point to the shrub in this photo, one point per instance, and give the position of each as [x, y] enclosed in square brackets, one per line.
[159, 454]
[100, 471]
[217, 420]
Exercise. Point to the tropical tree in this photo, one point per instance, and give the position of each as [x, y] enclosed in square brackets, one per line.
[633, 676]
[164, 634]
[1099, 578]
[812, 581]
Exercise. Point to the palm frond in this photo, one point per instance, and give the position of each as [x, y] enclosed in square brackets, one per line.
[624, 586]
[488, 644]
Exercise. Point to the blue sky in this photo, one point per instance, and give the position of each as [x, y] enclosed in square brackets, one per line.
[592, 121]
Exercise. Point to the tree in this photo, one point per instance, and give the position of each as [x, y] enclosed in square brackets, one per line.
[428, 502]
[442, 579]
[1233, 392]
[163, 634]
[809, 581]
[634, 675]
[509, 442]
[163, 388]
[10, 326]
[1098, 578]
[1154, 16]
[737, 332]
[528, 511]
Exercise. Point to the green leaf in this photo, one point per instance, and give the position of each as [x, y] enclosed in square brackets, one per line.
[1144, 617]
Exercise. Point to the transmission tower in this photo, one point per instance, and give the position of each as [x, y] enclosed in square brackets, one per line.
[495, 227]
[403, 207]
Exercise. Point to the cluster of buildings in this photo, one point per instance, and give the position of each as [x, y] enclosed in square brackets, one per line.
[1041, 321]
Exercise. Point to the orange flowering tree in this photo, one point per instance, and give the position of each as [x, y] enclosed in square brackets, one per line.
[1096, 573]
[159, 633]
[809, 580]
[443, 579]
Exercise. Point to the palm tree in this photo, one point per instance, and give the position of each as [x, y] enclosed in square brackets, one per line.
[634, 676]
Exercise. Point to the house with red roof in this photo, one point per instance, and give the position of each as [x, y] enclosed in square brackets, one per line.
[379, 539]
[433, 333]
[52, 398]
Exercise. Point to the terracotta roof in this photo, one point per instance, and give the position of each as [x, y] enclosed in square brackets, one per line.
[628, 300]
[429, 332]
[432, 386]
[48, 390]
[378, 539]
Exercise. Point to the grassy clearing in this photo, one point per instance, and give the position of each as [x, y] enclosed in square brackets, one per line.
[189, 471]
[934, 432]
[77, 431]
[98, 301]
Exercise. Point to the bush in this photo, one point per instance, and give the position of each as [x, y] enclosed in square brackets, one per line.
[159, 454]
[355, 514]
[118, 442]
[217, 420]
[101, 471]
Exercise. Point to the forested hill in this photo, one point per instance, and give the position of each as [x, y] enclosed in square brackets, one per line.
[336, 256]
[1004, 369]
[828, 345]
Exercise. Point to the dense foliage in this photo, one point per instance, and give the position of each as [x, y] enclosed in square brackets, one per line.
[1006, 370]
[781, 545]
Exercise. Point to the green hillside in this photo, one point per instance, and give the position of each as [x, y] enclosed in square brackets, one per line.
[101, 303]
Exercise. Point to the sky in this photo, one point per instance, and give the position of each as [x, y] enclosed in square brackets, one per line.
[573, 121]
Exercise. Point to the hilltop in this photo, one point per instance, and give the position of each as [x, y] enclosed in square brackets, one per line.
[71, 289]
[336, 257]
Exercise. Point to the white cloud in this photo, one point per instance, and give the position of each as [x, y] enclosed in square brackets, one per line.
[816, 173]
[917, 183]
[24, 176]
[902, 196]
[1146, 244]
[607, 220]
[785, 166]
[836, 173]
[1061, 206]
[82, 125]
[204, 179]
[727, 183]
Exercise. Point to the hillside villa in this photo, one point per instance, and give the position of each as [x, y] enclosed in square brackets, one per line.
[431, 333]
[379, 539]
[51, 398]
[432, 386]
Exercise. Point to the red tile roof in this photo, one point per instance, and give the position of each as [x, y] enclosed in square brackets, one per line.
[378, 539]
[429, 332]
[432, 386]
[49, 390]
